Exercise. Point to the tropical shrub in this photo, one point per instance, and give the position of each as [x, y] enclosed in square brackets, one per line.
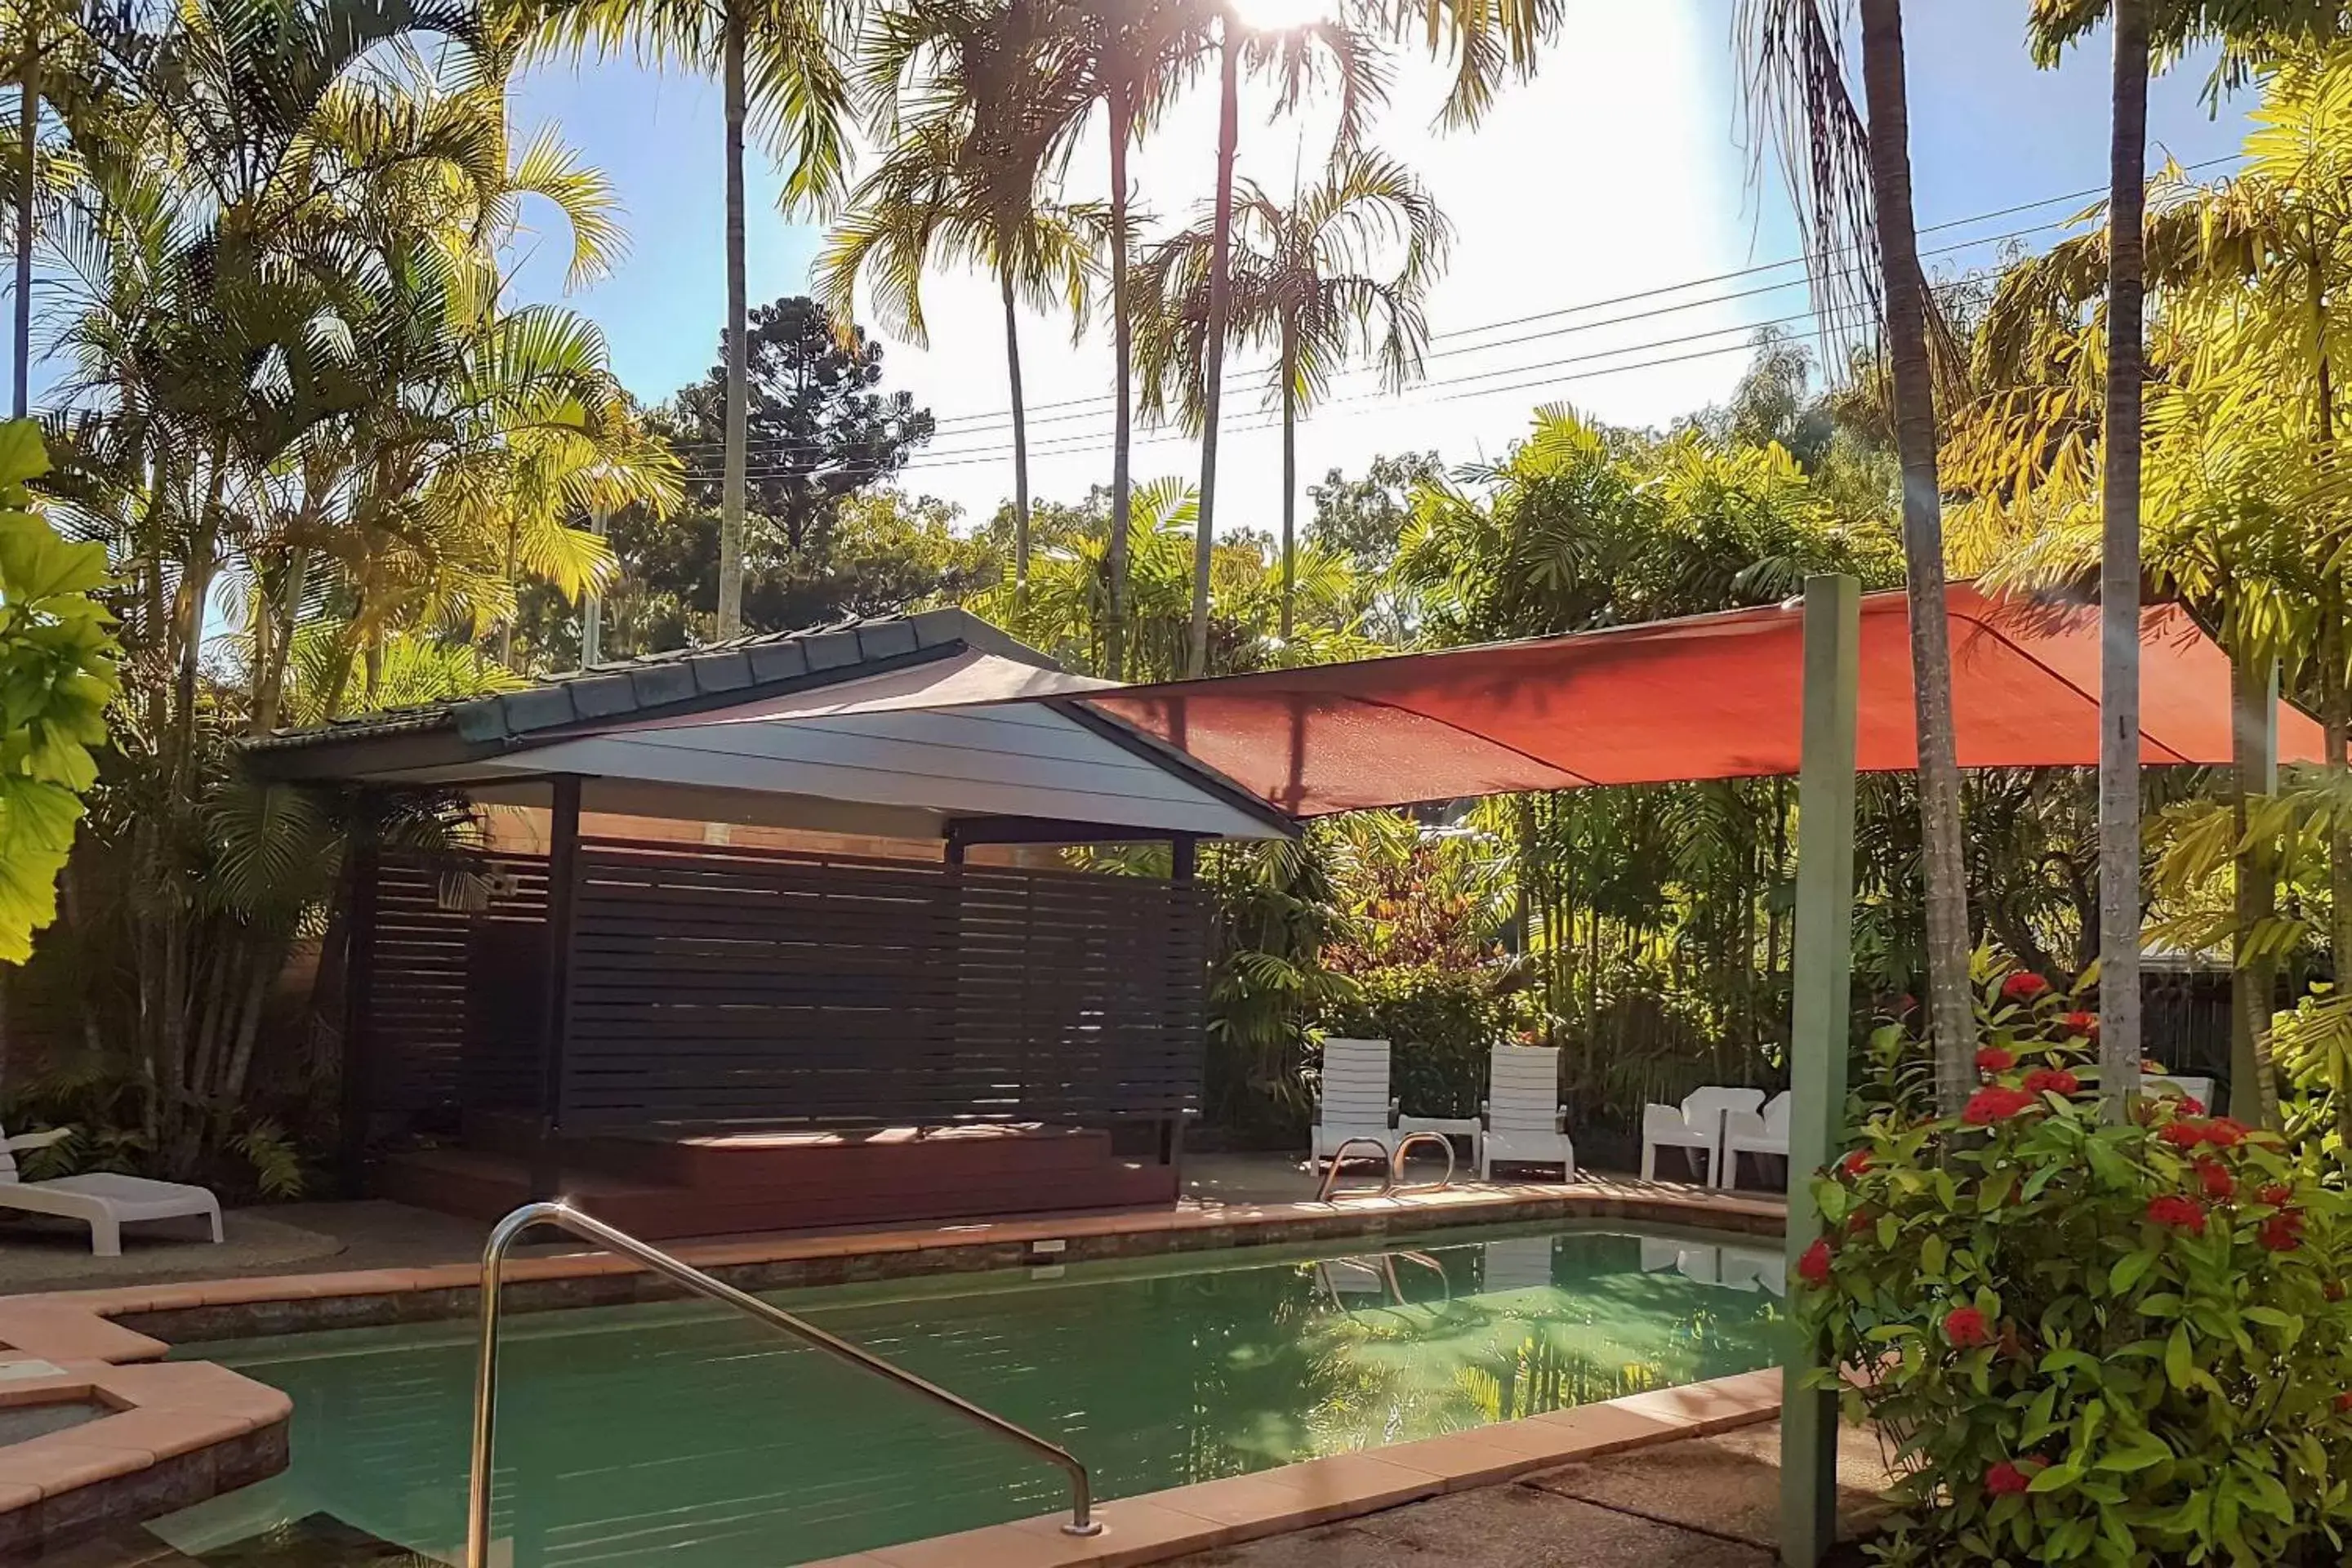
[57, 676]
[1440, 1024]
[2100, 1344]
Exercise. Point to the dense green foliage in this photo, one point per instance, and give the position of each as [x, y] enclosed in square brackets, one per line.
[57, 676]
[2125, 1344]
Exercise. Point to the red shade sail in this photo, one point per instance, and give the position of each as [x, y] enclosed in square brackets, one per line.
[1710, 697]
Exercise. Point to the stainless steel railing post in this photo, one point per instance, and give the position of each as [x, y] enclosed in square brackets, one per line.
[564, 1217]
[1331, 1175]
[1396, 1161]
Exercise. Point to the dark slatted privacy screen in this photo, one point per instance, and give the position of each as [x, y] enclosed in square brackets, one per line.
[431, 1034]
[717, 985]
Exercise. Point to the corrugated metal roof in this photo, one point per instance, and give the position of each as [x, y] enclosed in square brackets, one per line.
[659, 682]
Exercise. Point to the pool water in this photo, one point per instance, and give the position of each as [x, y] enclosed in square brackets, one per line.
[691, 1434]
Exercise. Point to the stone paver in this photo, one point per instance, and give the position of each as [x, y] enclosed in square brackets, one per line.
[1497, 1527]
[1728, 1484]
[1702, 1502]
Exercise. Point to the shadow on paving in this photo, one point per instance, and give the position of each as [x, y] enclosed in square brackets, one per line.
[1704, 1502]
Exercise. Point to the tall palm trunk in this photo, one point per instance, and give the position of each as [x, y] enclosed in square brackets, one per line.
[1289, 480]
[28, 113]
[1950, 1007]
[2253, 972]
[1122, 126]
[1220, 252]
[1020, 442]
[2119, 571]
[730, 499]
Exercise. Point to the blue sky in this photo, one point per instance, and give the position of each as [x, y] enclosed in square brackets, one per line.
[1620, 169]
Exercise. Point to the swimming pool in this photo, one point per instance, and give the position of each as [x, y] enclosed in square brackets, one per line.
[690, 1434]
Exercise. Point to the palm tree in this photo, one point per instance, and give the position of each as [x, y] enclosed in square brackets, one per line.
[1296, 54]
[1306, 282]
[1131, 56]
[1852, 189]
[781, 69]
[2056, 23]
[990, 103]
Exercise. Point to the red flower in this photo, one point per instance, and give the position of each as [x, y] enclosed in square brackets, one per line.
[2179, 1212]
[1996, 1104]
[2052, 1081]
[2224, 1133]
[2024, 986]
[1855, 1162]
[1859, 1221]
[2182, 1134]
[2005, 1479]
[2217, 1181]
[1965, 1327]
[2086, 1025]
[2191, 1106]
[2281, 1231]
[2278, 1195]
[2344, 1400]
[1813, 1268]
[1992, 1058]
[2333, 1289]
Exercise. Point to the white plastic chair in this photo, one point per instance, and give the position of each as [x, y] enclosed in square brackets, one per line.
[102, 1200]
[1355, 1100]
[1749, 1133]
[1698, 1125]
[1525, 1124]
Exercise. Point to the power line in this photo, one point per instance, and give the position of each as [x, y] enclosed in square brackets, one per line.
[1094, 406]
[1094, 440]
[1238, 382]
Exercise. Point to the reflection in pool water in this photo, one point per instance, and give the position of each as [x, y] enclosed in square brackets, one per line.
[696, 1436]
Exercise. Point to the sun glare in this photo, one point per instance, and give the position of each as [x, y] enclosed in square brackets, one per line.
[1273, 15]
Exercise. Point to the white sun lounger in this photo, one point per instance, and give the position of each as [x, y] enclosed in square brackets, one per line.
[1525, 1124]
[1696, 1127]
[102, 1200]
[1749, 1132]
[1355, 1100]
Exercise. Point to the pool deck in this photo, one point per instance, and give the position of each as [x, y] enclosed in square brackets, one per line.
[133, 1462]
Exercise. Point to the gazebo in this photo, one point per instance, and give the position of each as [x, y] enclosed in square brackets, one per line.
[754, 1028]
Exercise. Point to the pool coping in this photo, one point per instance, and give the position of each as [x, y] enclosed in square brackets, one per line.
[85, 1332]
[1154, 1527]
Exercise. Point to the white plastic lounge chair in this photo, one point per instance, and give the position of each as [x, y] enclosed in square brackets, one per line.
[1696, 1127]
[1525, 1124]
[1355, 1102]
[1750, 1133]
[104, 1201]
[1746, 1268]
[1521, 1263]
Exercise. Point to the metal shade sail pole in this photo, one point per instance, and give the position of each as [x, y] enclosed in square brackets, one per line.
[1823, 1005]
[564, 1217]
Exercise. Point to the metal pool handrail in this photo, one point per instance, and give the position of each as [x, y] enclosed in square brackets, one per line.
[1331, 1174]
[564, 1217]
[1396, 1161]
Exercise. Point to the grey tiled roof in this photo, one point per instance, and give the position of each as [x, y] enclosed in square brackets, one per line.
[627, 687]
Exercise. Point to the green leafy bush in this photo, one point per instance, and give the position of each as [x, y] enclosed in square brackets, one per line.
[2116, 1345]
[1440, 1024]
[57, 676]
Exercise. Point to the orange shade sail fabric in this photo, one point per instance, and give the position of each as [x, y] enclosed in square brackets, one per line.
[1710, 697]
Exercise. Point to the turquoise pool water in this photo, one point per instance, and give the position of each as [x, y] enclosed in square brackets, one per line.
[692, 1436]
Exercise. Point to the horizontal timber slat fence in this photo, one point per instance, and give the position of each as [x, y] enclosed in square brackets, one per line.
[724, 986]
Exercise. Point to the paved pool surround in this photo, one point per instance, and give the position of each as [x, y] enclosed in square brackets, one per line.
[184, 1432]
